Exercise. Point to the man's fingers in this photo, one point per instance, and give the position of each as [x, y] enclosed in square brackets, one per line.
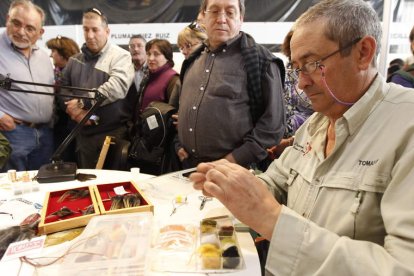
[198, 185]
[221, 162]
[197, 177]
[205, 193]
[214, 190]
[227, 168]
[204, 167]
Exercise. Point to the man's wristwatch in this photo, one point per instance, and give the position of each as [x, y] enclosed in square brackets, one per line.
[81, 104]
[94, 120]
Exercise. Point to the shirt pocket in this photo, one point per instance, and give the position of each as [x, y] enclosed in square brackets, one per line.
[349, 204]
[227, 85]
[364, 181]
[297, 187]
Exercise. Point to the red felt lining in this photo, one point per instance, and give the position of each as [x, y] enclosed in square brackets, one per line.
[107, 190]
[75, 205]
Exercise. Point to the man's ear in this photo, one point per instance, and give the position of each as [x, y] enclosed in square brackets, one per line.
[42, 31]
[366, 51]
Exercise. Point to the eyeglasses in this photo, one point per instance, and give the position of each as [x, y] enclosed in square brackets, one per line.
[29, 29]
[215, 13]
[311, 67]
[188, 46]
[136, 45]
[195, 26]
[94, 10]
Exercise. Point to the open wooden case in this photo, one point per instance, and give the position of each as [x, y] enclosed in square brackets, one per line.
[61, 210]
[72, 210]
[107, 192]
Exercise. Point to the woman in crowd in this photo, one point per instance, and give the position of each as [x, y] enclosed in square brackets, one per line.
[298, 106]
[62, 49]
[160, 84]
[405, 76]
[191, 37]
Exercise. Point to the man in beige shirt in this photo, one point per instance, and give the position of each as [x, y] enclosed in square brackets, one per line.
[340, 200]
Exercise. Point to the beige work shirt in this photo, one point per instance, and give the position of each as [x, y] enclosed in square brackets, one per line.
[351, 213]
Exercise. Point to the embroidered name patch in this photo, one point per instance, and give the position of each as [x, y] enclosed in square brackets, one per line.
[367, 162]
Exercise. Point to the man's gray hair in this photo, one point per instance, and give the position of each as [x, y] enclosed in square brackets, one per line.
[28, 4]
[345, 20]
[204, 4]
[138, 36]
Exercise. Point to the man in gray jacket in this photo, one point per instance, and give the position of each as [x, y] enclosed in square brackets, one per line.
[109, 69]
[340, 200]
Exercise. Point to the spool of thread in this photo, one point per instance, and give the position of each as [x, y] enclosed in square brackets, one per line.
[26, 177]
[135, 172]
[12, 175]
[179, 199]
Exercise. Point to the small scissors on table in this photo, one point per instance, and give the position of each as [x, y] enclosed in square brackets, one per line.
[204, 200]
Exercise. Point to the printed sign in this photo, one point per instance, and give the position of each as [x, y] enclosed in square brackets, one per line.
[24, 248]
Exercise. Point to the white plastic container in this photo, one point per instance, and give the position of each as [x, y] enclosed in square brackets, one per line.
[111, 245]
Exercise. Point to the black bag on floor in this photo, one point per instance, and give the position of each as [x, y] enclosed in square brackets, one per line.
[153, 130]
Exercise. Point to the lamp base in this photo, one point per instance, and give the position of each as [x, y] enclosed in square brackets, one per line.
[57, 172]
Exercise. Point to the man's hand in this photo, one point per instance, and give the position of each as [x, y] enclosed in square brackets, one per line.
[175, 119]
[275, 151]
[229, 157]
[75, 112]
[241, 192]
[182, 154]
[7, 123]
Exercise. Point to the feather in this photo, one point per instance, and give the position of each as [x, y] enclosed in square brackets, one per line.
[73, 195]
[62, 212]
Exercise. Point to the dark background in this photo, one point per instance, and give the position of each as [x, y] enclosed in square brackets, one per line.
[65, 12]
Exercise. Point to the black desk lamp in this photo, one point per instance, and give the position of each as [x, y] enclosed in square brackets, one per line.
[58, 171]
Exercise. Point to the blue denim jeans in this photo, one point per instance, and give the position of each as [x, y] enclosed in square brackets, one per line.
[31, 147]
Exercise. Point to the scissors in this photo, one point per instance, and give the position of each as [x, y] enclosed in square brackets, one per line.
[178, 202]
[204, 200]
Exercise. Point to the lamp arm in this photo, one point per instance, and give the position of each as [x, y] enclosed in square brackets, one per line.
[6, 83]
[100, 98]
[53, 94]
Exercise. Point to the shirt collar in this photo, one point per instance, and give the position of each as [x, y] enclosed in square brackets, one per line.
[358, 113]
[229, 43]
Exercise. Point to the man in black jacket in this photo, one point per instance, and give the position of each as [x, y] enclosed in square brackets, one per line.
[231, 103]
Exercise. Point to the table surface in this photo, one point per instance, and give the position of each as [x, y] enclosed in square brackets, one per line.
[161, 191]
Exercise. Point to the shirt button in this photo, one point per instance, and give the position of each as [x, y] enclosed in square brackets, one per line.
[224, 50]
[190, 129]
[194, 107]
[193, 150]
[207, 70]
[213, 55]
[202, 88]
